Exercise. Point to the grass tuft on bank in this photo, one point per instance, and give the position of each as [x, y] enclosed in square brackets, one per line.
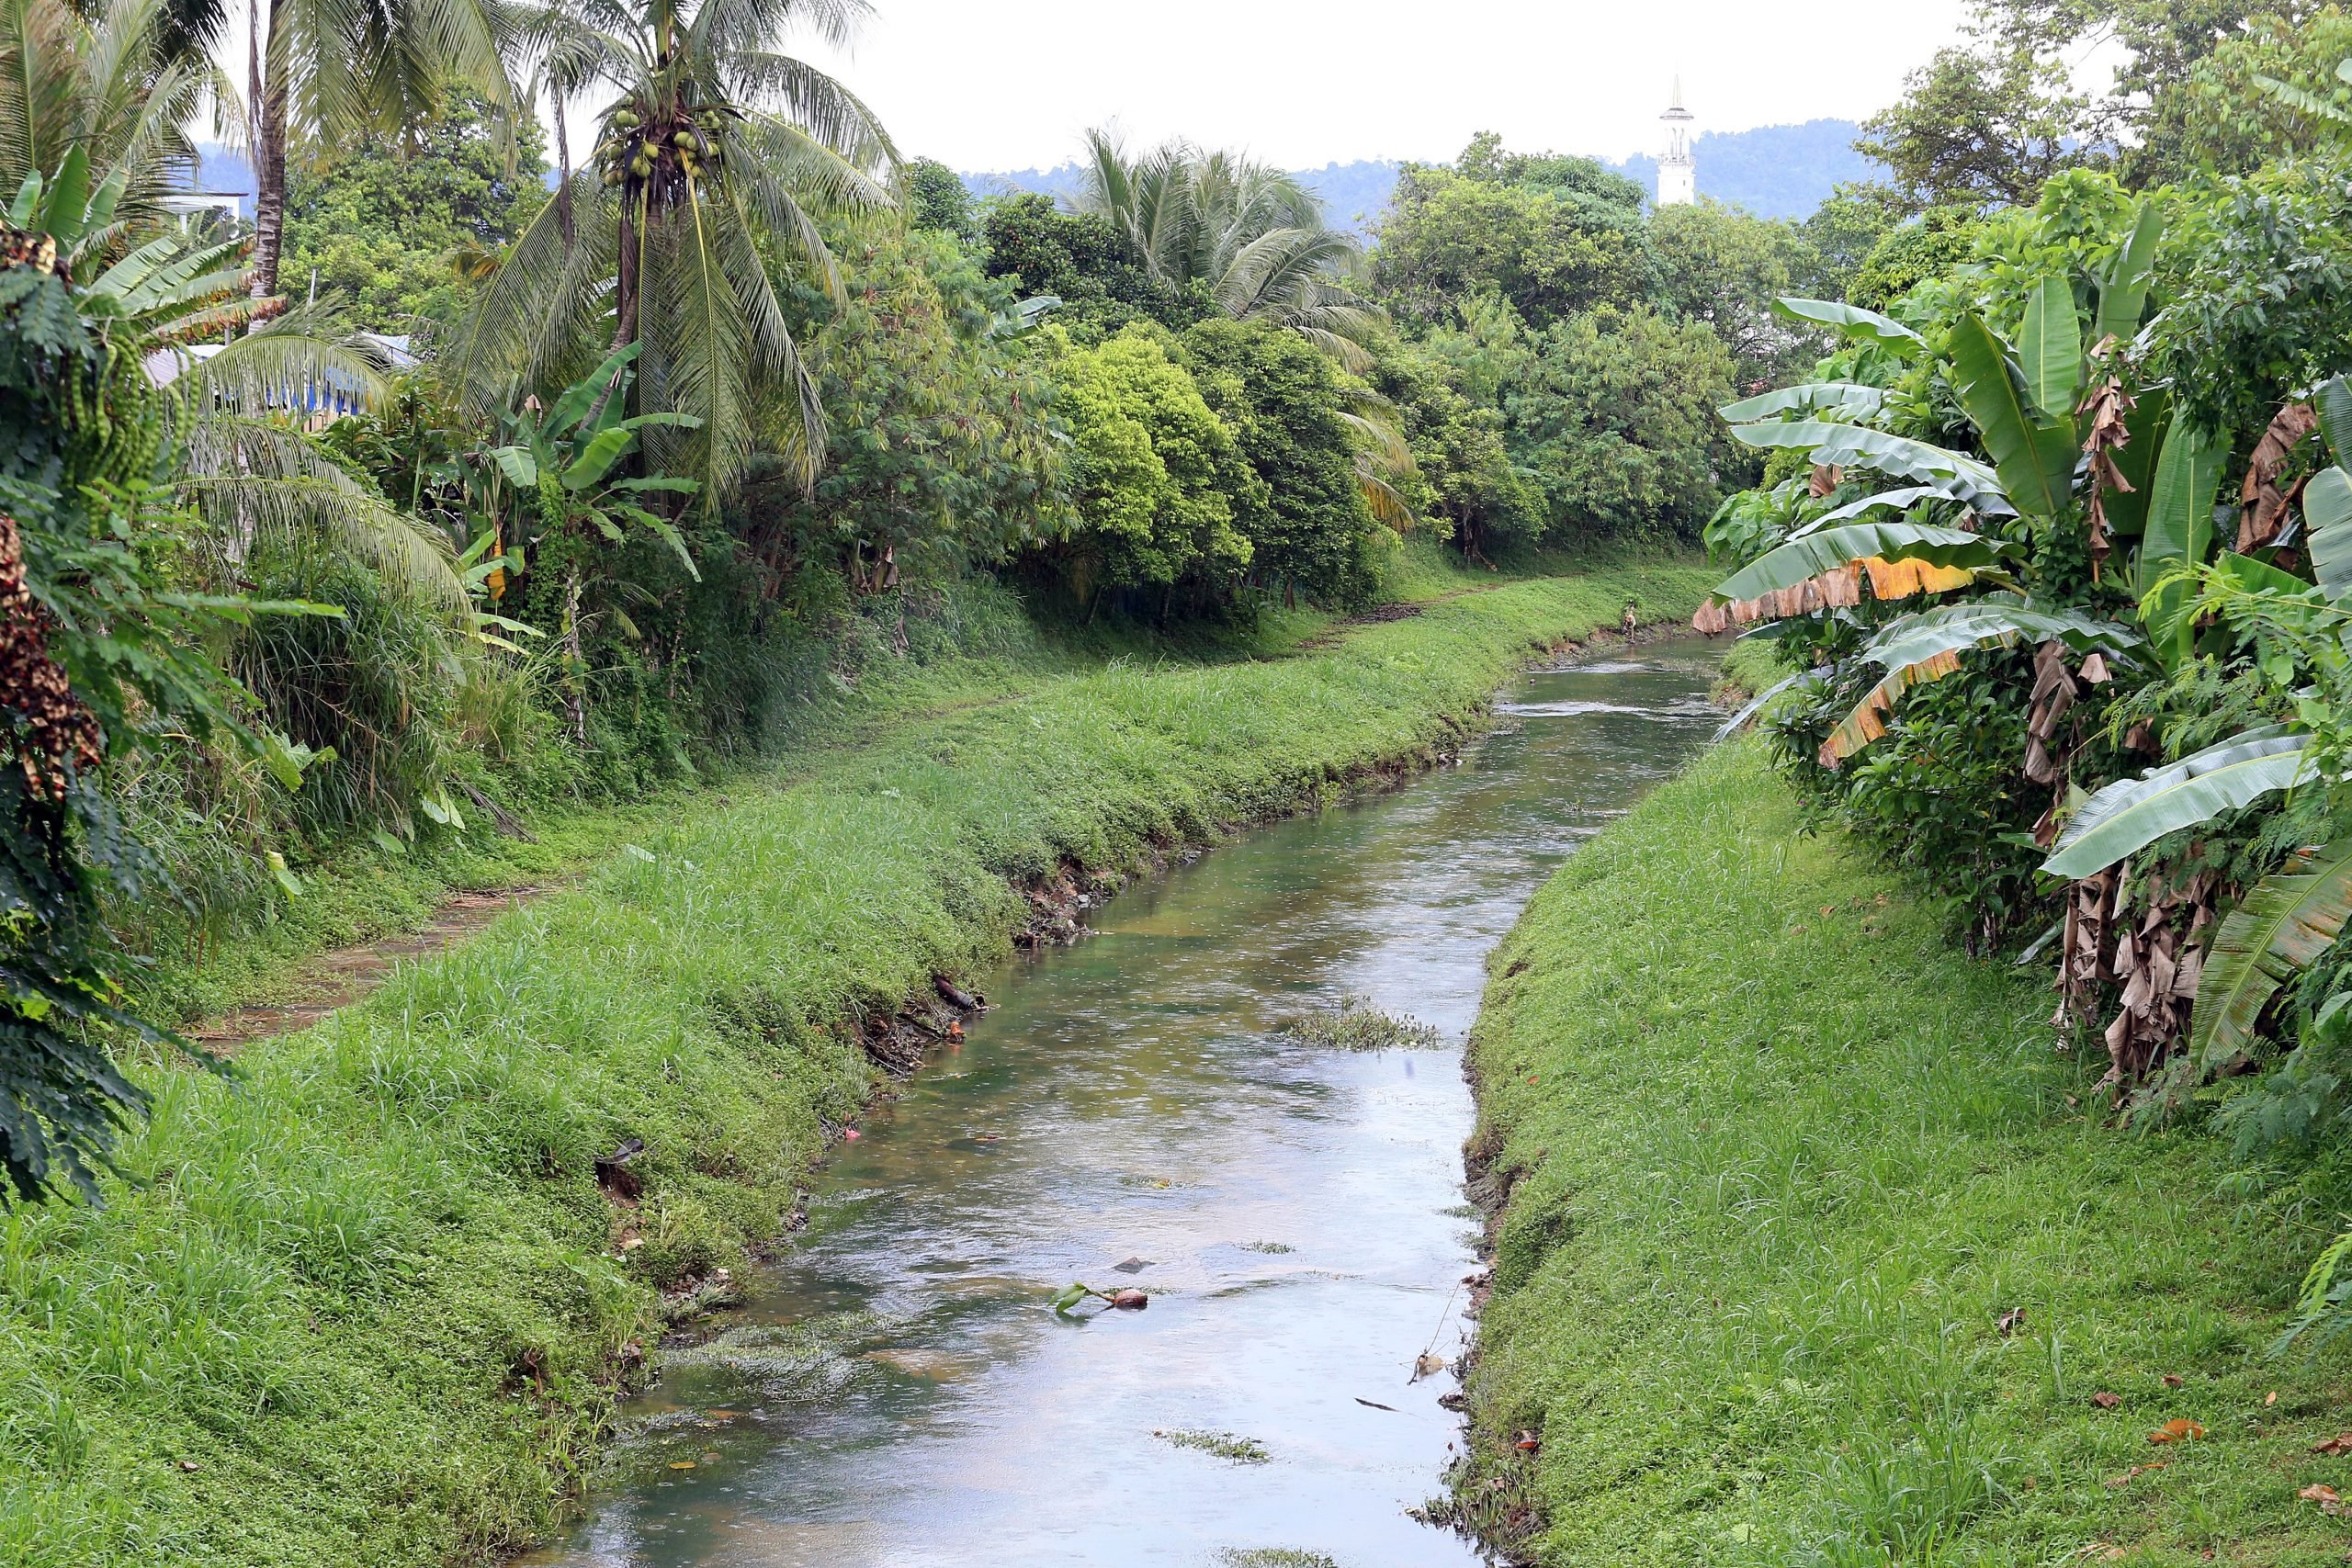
[364, 1304]
[1815, 1254]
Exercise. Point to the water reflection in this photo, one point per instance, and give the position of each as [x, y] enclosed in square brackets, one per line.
[899, 1392]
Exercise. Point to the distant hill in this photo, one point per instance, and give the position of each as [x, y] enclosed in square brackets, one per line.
[1773, 171]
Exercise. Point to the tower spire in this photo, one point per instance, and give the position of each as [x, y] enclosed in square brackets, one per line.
[1678, 173]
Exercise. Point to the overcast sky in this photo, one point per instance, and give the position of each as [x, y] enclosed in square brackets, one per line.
[991, 87]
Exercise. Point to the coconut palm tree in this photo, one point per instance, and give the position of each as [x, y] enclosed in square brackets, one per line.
[716, 154]
[1253, 234]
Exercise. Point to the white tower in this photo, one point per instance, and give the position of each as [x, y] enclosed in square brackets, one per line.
[1678, 175]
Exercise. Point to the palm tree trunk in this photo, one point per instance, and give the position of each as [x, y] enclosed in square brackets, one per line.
[266, 94]
[563, 166]
[625, 281]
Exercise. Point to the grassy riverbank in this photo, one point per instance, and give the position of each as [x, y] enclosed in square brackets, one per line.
[363, 1306]
[1780, 1164]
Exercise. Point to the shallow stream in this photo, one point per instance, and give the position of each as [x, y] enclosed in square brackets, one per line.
[898, 1390]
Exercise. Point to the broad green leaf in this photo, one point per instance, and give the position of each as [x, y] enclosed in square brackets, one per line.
[2179, 531]
[2327, 530]
[2034, 457]
[659, 481]
[517, 463]
[597, 458]
[1858, 445]
[2334, 406]
[1900, 500]
[28, 201]
[2251, 576]
[2291, 917]
[1810, 555]
[2051, 352]
[2123, 293]
[2127, 511]
[63, 215]
[107, 196]
[574, 401]
[1852, 321]
[2131, 814]
[1849, 400]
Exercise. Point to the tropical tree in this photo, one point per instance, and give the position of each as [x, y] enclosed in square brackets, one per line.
[1252, 235]
[716, 156]
[327, 69]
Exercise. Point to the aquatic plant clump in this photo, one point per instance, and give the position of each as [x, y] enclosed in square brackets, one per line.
[1356, 1025]
[1223, 1445]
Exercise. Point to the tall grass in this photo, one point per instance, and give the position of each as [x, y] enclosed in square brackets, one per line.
[364, 1306]
[1781, 1165]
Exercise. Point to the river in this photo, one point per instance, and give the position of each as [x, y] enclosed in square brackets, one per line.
[897, 1389]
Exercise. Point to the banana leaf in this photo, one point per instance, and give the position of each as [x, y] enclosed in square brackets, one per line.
[1849, 398]
[1901, 499]
[2123, 294]
[1810, 555]
[1852, 321]
[2291, 917]
[2334, 406]
[1860, 446]
[2327, 530]
[2127, 510]
[2050, 351]
[2034, 455]
[2131, 814]
[2179, 531]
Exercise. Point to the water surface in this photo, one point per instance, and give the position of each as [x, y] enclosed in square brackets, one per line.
[898, 1391]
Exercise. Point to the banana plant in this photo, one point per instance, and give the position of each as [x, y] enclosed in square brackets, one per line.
[2295, 914]
[562, 458]
[2029, 404]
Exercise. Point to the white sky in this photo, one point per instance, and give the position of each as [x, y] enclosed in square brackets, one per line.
[991, 87]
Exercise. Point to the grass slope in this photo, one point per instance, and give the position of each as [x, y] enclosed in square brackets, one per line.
[1779, 1162]
[362, 1306]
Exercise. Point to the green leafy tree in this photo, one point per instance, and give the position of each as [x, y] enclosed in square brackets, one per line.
[2226, 119]
[940, 453]
[1978, 126]
[936, 198]
[1462, 483]
[398, 224]
[1719, 265]
[1549, 249]
[1157, 478]
[1284, 402]
[1085, 262]
[1616, 419]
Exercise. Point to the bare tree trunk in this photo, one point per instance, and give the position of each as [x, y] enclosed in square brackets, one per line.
[563, 166]
[266, 94]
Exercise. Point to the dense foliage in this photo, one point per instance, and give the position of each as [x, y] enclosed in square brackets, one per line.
[2059, 545]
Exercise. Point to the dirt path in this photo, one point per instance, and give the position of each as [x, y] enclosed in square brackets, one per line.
[336, 979]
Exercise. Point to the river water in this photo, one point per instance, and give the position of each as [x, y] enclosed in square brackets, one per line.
[898, 1390]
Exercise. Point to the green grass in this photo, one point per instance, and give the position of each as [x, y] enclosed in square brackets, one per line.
[1779, 1163]
[364, 1304]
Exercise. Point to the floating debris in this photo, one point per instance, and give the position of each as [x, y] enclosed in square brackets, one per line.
[1356, 1025]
